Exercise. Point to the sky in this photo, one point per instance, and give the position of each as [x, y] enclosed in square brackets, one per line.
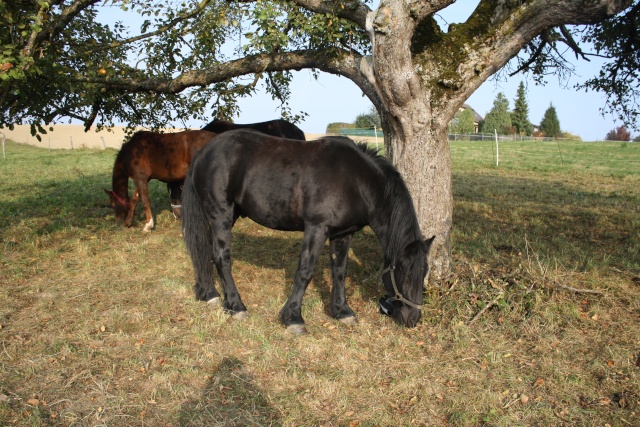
[333, 98]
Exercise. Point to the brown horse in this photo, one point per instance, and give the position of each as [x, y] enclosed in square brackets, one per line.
[279, 127]
[150, 155]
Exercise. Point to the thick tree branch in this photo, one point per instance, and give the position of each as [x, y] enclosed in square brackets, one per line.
[332, 60]
[496, 32]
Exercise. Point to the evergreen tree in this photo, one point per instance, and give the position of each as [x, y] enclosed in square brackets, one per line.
[462, 122]
[550, 124]
[499, 117]
[520, 115]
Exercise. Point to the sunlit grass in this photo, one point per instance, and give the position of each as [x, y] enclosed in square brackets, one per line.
[537, 324]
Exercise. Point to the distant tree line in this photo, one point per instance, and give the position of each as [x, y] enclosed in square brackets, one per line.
[506, 122]
[499, 118]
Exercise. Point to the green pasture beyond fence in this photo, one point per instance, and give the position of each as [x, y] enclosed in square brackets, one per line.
[600, 158]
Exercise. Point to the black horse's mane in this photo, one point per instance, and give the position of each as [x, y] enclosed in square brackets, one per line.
[403, 225]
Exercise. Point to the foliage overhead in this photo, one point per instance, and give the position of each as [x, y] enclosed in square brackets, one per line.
[618, 40]
[194, 59]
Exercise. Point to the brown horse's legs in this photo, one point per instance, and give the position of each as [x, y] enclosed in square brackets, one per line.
[132, 207]
[142, 190]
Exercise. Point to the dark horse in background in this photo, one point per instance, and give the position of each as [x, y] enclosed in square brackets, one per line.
[279, 127]
[150, 155]
[329, 188]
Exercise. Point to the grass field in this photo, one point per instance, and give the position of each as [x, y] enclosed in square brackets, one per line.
[537, 324]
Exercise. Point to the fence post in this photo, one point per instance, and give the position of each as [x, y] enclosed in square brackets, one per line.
[71, 139]
[375, 131]
[497, 149]
[104, 146]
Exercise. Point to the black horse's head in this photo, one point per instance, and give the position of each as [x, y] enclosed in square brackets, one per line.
[119, 204]
[403, 282]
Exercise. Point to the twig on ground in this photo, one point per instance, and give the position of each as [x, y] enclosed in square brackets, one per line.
[487, 307]
[554, 283]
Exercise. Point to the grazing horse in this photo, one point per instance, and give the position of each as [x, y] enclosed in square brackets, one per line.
[329, 188]
[150, 155]
[280, 127]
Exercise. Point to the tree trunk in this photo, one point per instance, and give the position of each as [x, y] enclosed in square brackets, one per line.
[423, 159]
[416, 139]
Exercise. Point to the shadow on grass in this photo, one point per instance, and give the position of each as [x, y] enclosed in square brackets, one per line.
[230, 398]
[580, 229]
[51, 204]
[282, 251]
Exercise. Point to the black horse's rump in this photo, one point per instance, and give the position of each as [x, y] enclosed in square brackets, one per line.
[328, 188]
[279, 127]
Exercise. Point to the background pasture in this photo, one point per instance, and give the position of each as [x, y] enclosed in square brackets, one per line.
[537, 325]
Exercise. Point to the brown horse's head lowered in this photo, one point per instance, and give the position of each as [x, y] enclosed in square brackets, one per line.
[119, 205]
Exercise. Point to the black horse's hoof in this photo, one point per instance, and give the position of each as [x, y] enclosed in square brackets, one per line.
[350, 320]
[240, 315]
[297, 329]
[215, 302]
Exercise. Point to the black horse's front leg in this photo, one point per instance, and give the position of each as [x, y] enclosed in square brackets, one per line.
[312, 244]
[339, 248]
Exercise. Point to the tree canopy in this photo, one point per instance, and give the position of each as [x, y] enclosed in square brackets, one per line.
[59, 62]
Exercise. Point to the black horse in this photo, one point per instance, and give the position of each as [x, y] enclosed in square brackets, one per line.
[329, 188]
[279, 127]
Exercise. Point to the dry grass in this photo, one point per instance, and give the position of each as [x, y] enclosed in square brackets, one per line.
[99, 325]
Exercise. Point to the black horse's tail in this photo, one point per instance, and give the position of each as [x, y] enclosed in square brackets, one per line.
[197, 237]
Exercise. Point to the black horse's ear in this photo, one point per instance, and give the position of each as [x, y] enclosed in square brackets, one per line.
[428, 242]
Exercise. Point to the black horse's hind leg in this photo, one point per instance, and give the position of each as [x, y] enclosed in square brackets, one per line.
[339, 248]
[312, 244]
[206, 292]
[221, 234]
